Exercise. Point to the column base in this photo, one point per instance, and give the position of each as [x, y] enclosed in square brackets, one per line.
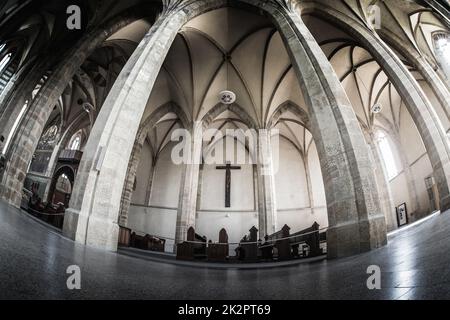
[445, 204]
[91, 231]
[10, 196]
[70, 225]
[355, 238]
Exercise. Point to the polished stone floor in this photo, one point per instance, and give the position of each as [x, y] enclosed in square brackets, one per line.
[34, 259]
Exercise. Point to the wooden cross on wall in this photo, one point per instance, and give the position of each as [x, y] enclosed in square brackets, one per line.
[228, 169]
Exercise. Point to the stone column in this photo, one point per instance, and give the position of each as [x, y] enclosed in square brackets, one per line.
[127, 192]
[92, 218]
[266, 185]
[187, 207]
[356, 220]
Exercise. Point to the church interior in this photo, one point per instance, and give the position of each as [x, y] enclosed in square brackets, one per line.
[216, 149]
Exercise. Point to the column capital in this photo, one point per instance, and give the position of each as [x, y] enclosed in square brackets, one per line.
[289, 5]
[170, 5]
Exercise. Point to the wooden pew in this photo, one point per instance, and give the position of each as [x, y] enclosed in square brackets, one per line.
[266, 249]
[193, 248]
[248, 247]
[218, 252]
[147, 242]
[310, 237]
[289, 248]
[279, 241]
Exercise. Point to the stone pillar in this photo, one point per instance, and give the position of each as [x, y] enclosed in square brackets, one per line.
[356, 220]
[92, 218]
[266, 185]
[187, 207]
[127, 192]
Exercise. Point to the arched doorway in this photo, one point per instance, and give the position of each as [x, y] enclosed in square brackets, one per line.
[61, 187]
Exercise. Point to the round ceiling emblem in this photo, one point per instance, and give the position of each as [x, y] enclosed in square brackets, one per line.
[227, 97]
[377, 108]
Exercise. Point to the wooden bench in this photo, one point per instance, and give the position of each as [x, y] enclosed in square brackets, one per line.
[218, 252]
[248, 247]
[309, 236]
[193, 248]
[279, 241]
[147, 242]
[288, 245]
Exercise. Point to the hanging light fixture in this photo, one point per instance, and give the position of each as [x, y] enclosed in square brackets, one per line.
[227, 97]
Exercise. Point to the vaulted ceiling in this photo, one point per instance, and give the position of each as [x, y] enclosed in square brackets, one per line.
[82, 99]
[363, 78]
[227, 49]
[224, 49]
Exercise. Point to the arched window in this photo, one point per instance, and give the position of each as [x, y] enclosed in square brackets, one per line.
[75, 145]
[15, 126]
[4, 62]
[442, 44]
[75, 141]
[442, 48]
[387, 155]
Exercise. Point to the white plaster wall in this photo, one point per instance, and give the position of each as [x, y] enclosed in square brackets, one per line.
[293, 203]
[410, 137]
[420, 168]
[399, 190]
[155, 221]
[291, 187]
[213, 189]
[213, 182]
[212, 215]
[160, 217]
[304, 218]
[166, 181]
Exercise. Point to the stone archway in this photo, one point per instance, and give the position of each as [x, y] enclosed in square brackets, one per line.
[135, 157]
[356, 220]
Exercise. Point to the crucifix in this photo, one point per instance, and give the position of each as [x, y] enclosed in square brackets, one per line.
[228, 169]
